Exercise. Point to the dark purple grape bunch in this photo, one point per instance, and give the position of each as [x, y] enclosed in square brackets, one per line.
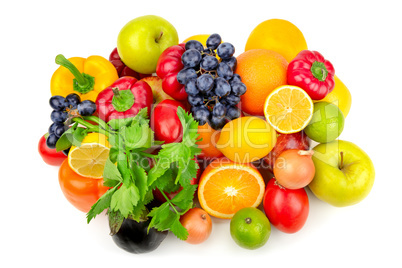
[213, 88]
[64, 108]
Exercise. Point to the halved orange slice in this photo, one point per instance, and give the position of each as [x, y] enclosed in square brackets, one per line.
[226, 187]
[288, 109]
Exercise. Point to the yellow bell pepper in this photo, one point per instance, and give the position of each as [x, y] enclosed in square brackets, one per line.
[85, 77]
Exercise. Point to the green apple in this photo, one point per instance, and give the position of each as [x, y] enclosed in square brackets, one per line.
[142, 40]
[344, 173]
[156, 85]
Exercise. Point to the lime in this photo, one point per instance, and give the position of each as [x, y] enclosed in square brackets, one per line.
[250, 228]
[326, 124]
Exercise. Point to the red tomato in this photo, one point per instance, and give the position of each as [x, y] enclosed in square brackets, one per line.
[286, 209]
[165, 122]
[50, 156]
[198, 224]
[81, 192]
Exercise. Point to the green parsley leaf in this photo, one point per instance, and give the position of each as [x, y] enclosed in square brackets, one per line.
[184, 199]
[125, 199]
[140, 180]
[111, 174]
[102, 204]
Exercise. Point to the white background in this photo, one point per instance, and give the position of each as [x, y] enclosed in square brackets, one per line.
[40, 228]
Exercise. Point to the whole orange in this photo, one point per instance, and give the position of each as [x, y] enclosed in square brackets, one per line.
[278, 35]
[209, 138]
[262, 71]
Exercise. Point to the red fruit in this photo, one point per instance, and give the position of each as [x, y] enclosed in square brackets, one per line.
[50, 156]
[165, 122]
[286, 209]
[298, 140]
[169, 64]
[121, 68]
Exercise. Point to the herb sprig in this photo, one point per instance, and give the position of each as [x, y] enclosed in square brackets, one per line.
[131, 179]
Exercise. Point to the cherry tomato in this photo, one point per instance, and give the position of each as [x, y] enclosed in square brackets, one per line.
[294, 169]
[81, 192]
[50, 156]
[286, 209]
[198, 224]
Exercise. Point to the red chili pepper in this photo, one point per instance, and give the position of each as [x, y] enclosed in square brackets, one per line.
[169, 64]
[311, 72]
[124, 98]
[165, 122]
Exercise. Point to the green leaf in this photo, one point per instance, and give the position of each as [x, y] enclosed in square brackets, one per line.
[125, 199]
[187, 171]
[66, 139]
[184, 199]
[122, 166]
[78, 135]
[111, 174]
[119, 123]
[178, 229]
[137, 136]
[140, 180]
[102, 204]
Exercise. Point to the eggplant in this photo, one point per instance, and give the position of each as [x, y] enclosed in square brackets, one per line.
[133, 237]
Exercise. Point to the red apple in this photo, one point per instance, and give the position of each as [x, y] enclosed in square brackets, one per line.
[298, 140]
[121, 68]
[156, 85]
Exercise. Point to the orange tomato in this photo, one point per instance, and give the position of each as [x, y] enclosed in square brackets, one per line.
[81, 192]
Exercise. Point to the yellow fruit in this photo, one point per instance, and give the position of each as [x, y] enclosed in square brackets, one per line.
[340, 96]
[278, 35]
[89, 159]
[226, 187]
[288, 109]
[199, 37]
[262, 71]
[246, 139]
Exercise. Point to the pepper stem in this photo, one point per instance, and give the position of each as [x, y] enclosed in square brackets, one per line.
[319, 70]
[82, 83]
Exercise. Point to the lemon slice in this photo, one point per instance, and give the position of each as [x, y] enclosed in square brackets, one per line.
[89, 159]
[288, 109]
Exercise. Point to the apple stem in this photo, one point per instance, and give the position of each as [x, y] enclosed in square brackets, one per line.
[159, 37]
[303, 152]
[341, 166]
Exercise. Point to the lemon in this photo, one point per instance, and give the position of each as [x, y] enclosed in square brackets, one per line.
[88, 160]
[199, 37]
[340, 96]
[246, 139]
[250, 228]
[278, 35]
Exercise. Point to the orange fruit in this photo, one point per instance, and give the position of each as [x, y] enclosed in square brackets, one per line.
[246, 139]
[261, 71]
[278, 35]
[288, 109]
[225, 187]
[209, 138]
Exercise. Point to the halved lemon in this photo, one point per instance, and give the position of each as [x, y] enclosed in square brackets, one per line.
[89, 159]
[288, 109]
[225, 187]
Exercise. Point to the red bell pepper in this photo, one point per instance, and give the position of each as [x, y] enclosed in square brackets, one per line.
[165, 122]
[169, 64]
[311, 72]
[121, 68]
[124, 98]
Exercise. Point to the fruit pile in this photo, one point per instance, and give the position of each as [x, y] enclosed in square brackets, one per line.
[165, 135]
